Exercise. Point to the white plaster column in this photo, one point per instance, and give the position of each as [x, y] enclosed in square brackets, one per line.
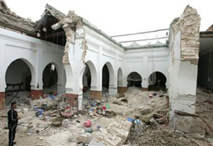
[113, 86]
[38, 85]
[99, 70]
[184, 51]
[75, 59]
[61, 77]
[144, 76]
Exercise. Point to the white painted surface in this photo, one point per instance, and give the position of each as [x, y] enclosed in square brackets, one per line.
[37, 54]
[34, 52]
[182, 79]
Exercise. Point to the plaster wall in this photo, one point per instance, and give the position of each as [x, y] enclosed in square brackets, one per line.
[17, 73]
[34, 52]
[145, 62]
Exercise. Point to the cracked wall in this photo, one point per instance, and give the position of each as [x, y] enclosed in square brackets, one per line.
[72, 25]
[183, 64]
[188, 24]
[74, 54]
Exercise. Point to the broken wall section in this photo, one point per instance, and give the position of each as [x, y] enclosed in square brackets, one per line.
[74, 54]
[183, 65]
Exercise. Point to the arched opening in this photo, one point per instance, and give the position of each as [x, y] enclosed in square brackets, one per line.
[105, 80]
[134, 79]
[18, 78]
[157, 81]
[120, 77]
[108, 82]
[87, 78]
[50, 79]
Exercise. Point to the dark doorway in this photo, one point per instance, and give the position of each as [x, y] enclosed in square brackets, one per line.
[157, 81]
[134, 79]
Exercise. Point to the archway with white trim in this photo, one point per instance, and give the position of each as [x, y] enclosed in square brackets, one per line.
[134, 79]
[120, 77]
[89, 78]
[50, 79]
[157, 81]
[18, 79]
[107, 78]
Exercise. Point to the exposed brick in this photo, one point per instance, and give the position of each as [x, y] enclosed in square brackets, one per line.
[35, 94]
[122, 90]
[145, 89]
[72, 99]
[96, 95]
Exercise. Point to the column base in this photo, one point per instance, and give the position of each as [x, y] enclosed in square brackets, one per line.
[145, 89]
[122, 90]
[182, 103]
[95, 95]
[72, 99]
[2, 100]
[113, 91]
[35, 94]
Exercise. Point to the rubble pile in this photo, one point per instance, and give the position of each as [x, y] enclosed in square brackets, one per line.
[133, 118]
[162, 136]
[21, 97]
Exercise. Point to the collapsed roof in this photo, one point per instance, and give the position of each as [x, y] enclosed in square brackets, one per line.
[9, 20]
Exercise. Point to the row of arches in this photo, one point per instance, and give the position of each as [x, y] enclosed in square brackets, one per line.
[156, 80]
[19, 76]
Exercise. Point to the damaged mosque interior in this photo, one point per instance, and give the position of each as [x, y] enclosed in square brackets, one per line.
[68, 68]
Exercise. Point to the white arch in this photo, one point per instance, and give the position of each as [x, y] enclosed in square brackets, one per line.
[93, 72]
[128, 77]
[120, 77]
[111, 73]
[154, 78]
[55, 67]
[139, 79]
[69, 78]
[32, 70]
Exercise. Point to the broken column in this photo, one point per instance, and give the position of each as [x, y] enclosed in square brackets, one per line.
[74, 56]
[183, 65]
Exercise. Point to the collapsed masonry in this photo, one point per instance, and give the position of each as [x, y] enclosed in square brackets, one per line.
[9, 20]
[73, 27]
[184, 50]
[73, 56]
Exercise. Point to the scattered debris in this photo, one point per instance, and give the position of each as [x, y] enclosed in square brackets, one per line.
[140, 121]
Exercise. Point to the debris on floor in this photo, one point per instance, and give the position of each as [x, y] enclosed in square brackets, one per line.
[133, 119]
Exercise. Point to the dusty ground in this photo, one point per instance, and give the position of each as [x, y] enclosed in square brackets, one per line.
[163, 135]
[204, 103]
[131, 105]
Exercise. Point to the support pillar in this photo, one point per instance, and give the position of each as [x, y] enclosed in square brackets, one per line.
[74, 56]
[72, 99]
[96, 89]
[112, 90]
[95, 95]
[36, 94]
[122, 90]
[145, 77]
[144, 84]
[183, 64]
